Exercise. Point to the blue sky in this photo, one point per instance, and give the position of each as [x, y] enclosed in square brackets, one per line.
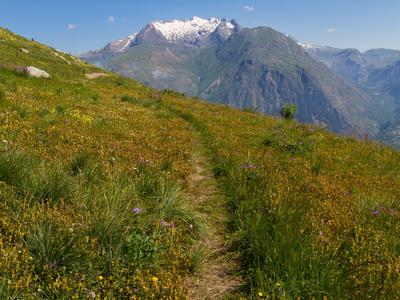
[79, 25]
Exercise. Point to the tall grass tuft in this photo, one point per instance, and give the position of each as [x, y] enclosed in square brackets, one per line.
[78, 163]
[7, 293]
[52, 247]
[52, 184]
[164, 197]
[109, 220]
[15, 169]
[2, 97]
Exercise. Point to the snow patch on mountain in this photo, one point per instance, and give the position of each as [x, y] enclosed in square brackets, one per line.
[190, 30]
[196, 32]
[310, 46]
[122, 44]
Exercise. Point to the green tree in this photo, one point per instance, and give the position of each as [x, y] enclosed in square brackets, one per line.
[289, 111]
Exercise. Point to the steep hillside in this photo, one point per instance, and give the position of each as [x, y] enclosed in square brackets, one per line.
[113, 190]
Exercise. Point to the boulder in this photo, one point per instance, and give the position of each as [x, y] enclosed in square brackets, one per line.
[94, 75]
[62, 57]
[35, 72]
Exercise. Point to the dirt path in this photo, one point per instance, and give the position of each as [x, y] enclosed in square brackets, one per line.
[218, 276]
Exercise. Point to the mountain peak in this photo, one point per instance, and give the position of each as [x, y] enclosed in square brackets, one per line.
[194, 31]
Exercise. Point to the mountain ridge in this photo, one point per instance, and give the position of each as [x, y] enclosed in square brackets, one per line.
[196, 32]
[256, 68]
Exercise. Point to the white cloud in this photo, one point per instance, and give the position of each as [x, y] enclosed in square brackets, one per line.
[249, 8]
[332, 30]
[72, 26]
[110, 19]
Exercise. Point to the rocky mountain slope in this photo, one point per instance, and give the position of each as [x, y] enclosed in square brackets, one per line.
[352, 64]
[196, 33]
[377, 71]
[257, 68]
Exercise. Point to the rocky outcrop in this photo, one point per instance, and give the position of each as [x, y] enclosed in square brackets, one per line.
[35, 72]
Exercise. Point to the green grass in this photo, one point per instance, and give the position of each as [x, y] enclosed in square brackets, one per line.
[296, 194]
[93, 183]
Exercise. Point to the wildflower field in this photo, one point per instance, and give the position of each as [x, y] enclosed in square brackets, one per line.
[314, 215]
[94, 176]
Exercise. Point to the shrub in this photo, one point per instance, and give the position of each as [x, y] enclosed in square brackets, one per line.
[289, 111]
[270, 141]
[129, 99]
[169, 92]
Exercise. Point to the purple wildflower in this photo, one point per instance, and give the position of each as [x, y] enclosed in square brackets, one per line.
[137, 210]
[375, 212]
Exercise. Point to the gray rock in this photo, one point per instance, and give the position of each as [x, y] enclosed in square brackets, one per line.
[35, 72]
[23, 50]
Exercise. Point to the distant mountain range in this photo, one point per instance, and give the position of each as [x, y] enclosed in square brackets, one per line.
[377, 71]
[262, 69]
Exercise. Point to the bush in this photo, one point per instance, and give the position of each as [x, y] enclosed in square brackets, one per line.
[129, 99]
[289, 111]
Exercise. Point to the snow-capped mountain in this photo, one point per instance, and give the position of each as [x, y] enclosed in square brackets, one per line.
[197, 33]
[193, 32]
[122, 44]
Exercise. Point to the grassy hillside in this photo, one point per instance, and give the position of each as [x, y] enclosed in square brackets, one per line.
[97, 197]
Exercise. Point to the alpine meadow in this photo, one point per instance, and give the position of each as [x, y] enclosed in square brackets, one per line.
[113, 189]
